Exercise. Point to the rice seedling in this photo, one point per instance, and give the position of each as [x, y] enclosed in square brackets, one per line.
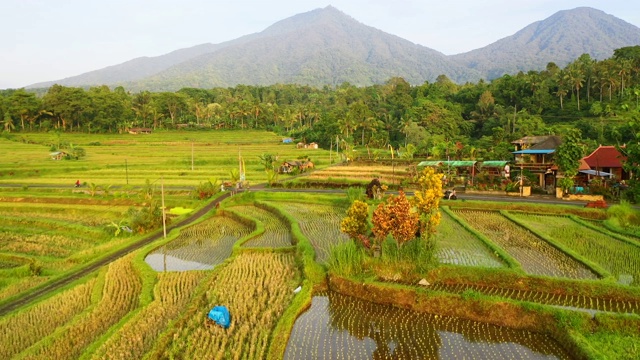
[320, 224]
[198, 247]
[620, 258]
[457, 246]
[585, 302]
[276, 230]
[536, 256]
[337, 326]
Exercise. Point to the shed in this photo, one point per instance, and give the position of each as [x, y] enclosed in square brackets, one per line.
[58, 155]
[287, 140]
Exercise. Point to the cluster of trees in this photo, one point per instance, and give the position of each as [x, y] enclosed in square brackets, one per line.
[473, 120]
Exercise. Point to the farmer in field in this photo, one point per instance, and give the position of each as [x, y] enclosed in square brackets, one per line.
[77, 183]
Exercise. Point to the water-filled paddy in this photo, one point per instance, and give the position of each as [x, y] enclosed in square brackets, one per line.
[199, 247]
[338, 326]
[590, 304]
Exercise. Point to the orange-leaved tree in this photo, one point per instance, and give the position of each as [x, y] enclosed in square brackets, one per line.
[355, 223]
[427, 201]
[395, 217]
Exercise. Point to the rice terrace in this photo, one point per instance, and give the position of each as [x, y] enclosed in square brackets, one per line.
[284, 251]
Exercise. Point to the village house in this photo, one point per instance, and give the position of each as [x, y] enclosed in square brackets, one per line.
[605, 161]
[535, 154]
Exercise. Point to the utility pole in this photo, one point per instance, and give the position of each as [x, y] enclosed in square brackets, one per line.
[330, 150]
[164, 215]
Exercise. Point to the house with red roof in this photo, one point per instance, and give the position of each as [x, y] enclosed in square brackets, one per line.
[605, 161]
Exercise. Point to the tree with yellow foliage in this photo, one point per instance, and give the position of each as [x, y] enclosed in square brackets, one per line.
[427, 201]
[355, 223]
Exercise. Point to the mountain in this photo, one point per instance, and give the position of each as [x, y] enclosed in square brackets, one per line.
[561, 39]
[327, 47]
[323, 46]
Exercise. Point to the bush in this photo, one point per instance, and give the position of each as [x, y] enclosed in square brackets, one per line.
[355, 193]
[623, 215]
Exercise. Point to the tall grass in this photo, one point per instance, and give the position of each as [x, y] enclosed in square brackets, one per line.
[346, 259]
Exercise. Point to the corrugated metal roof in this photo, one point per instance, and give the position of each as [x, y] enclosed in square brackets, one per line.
[459, 163]
[534, 151]
[494, 163]
[452, 163]
[430, 163]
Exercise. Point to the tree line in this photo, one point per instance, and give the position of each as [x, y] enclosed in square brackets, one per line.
[440, 118]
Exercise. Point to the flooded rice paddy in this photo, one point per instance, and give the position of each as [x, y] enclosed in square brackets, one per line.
[585, 303]
[342, 327]
[199, 247]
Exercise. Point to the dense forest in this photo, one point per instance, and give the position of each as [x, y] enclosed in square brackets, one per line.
[473, 120]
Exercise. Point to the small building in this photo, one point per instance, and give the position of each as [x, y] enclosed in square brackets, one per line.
[313, 145]
[290, 166]
[495, 169]
[605, 161]
[136, 131]
[535, 154]
[58, 155]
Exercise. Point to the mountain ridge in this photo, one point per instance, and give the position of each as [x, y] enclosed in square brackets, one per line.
[327, 47]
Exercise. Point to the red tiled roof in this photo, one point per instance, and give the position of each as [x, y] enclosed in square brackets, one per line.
[605, 157]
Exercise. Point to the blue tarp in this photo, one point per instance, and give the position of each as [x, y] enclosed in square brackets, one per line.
[220, 315]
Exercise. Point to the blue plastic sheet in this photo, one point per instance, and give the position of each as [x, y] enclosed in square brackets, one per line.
[220, 315]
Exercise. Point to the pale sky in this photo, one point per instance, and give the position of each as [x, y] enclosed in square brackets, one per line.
[45, 40]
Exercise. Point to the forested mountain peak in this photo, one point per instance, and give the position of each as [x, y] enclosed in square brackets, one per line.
[328, 47]
[560, 38]
[320, 47]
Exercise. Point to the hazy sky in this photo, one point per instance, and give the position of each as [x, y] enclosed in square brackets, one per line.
[44, 40]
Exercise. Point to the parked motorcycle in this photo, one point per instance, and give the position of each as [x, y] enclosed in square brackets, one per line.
[450, 195]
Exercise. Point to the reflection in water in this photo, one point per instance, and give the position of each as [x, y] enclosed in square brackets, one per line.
[199, 247]
[160, 262]
[338, 326]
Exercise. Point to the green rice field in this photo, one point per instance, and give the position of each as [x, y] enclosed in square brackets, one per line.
[621, 258]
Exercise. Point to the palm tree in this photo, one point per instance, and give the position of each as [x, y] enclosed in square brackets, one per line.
[8, 122]
[561, 93]
[576, 79]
